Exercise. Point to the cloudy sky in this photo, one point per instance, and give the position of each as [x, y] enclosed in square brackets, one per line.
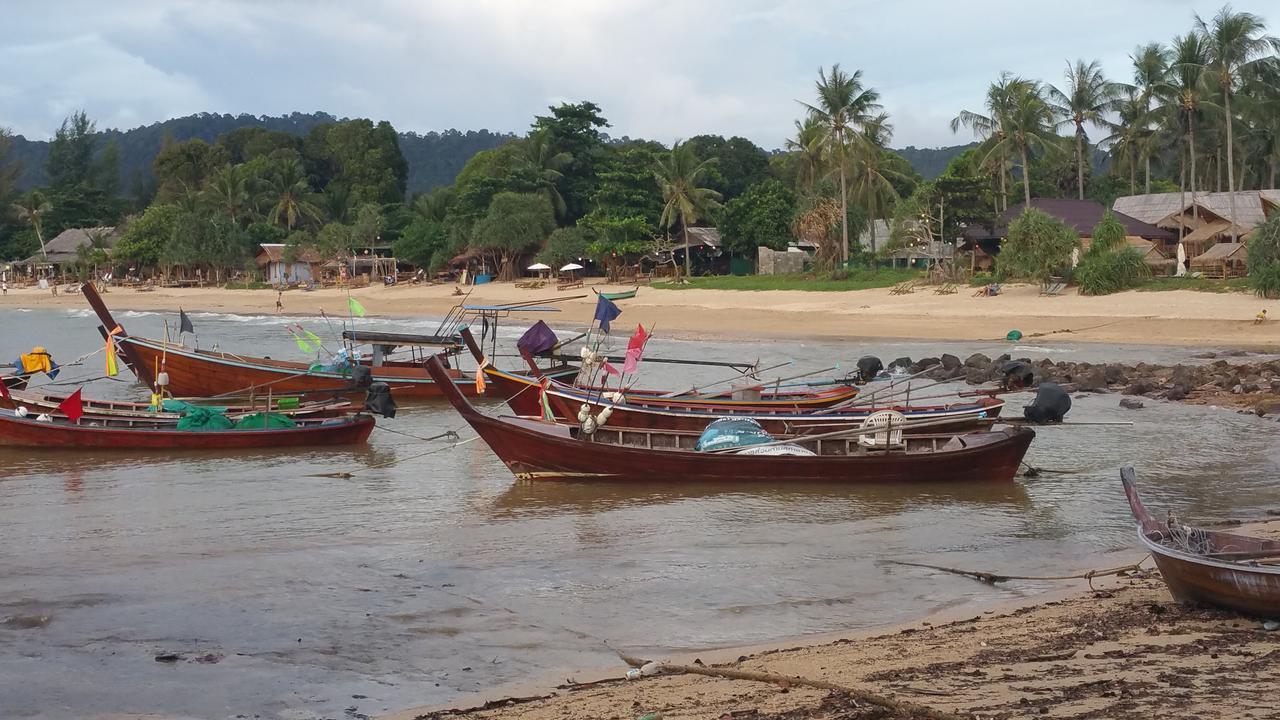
[661, 69]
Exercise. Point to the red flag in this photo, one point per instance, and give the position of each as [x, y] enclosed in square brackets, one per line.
[72, 407]
[635, 347]
[609, 369]
[4, 389]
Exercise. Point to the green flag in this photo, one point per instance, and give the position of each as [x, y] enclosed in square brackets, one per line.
[356, 308]
[303, 345]
[314, 338]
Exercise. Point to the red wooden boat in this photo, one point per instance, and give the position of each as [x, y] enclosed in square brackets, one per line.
[136, 434]
[565, 403]
[49, 402]
[1206, 567]
[541, 450]
[209, 373]
[524, 401]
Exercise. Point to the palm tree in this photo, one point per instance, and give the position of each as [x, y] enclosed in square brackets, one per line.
[548, 165]
[1125, 140]
[1088, 97]
[842, 108]
[1235, 42]
[1150, 69]
[1183, 92]
[990, 128]
[32, 210]
[679, 176]
[874, 169]
[807, 144]
[1027, 124]
[228, 192]
[289, 194]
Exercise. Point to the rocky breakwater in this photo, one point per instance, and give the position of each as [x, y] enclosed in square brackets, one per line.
[1234, 382]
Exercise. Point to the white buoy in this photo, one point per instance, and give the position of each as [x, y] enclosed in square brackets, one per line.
[21, 411]
[162, 379]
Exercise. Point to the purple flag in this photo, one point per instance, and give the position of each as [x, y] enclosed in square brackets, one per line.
[539, 338]
[606, 312]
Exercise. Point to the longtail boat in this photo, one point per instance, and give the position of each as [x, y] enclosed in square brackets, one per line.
[565, 402]
[542, 450]
[141, 434]
[49, 402]
[210, 373]
[620, 295]
[1211, 568]
[524, 401]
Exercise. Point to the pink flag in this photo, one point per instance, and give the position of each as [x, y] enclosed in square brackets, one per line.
[635, 348]
[609, 369]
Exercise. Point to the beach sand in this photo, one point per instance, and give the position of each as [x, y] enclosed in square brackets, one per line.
[1120, 649]
[1178, 317]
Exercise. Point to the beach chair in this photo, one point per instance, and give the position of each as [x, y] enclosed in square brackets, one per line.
[945, 289]
[569, 285]
[1053, 289]
[904, 288]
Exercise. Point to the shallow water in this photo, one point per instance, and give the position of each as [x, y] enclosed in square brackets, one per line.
[433, 576]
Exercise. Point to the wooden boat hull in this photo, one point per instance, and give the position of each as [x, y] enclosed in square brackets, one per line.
[535, 450]
[523, 391]
[49, 402]
[29, 432]
[203, 373]
[1198, 579]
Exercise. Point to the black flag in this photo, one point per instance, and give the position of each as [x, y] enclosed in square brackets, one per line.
[184, 323]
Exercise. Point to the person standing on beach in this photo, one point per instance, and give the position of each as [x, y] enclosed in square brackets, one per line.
[279, 301]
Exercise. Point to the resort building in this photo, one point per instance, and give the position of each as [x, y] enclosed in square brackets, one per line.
[62, 251]
[276, 270]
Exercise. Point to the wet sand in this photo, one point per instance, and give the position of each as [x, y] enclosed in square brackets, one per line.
[1178, 317]
[1121, 648]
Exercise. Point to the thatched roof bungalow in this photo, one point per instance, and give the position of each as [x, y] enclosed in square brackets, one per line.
[1221, 260]
[1205, 217]
[61, 250]
[275, 269]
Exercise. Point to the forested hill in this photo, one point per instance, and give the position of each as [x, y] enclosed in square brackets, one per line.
[434, 158]
[930, 162]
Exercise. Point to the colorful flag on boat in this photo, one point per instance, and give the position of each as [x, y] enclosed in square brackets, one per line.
[355, 307]
[609, 369]
[606, 312]
[635, 348]
[72, 407]
[184, 323]
[539, 338]
[112, 369]
[4, 389]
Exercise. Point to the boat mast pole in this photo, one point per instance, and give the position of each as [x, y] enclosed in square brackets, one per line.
[131, 357]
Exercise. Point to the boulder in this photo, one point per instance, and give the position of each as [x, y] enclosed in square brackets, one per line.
[1141, 386]
[1092, 380]
[976, 376]
[1177, 392]
[1114, 374]
[902, 362]
[1131, 404]
[1183, 375]
[977, 360]
[950, 362]
[1266, 406]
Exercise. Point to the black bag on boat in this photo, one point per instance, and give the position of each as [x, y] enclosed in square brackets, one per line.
[378, 400]
[361, 376]
[1051, 404]
[1018, 374]
[869, 367]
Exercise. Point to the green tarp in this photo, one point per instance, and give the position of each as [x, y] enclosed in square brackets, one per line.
[265, 421]
[199, 419]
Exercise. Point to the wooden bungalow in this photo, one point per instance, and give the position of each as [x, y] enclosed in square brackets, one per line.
[61, 251]
[278, 271]
[1221, 260]
[1203, 218]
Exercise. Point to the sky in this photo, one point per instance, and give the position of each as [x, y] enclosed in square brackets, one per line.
[660, 69]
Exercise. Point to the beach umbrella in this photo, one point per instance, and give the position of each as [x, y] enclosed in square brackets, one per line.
[571, 266]
[539, 266]
[1181, 268]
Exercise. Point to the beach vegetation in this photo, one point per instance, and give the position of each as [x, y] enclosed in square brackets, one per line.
[1264, 257]
[761, 216]
[681, 176]
[1038, 247]
[852, 279]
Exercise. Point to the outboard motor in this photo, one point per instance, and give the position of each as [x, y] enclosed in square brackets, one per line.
[361, 376]
[869, 367]
[1017, 375]
[378, 400]
[1050, 406]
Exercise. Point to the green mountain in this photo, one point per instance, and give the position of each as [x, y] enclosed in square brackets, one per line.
[434, 158]
[930, 162]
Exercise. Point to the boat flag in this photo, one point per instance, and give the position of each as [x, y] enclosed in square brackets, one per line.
[635, 348]
[538, 339]
[609, 369]
[72, 407]
[356, 308]
[184, 323]
[4, 389]
[112, 369]
[606, 312]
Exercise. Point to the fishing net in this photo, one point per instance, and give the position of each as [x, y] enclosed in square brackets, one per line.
[731, 433]
[200, 419]
[182, 407]
[265, 421]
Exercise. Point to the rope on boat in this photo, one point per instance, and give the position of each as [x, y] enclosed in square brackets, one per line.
[992, 578]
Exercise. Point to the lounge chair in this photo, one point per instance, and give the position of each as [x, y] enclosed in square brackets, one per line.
[904, 288]
[569, 285]
[945, 289]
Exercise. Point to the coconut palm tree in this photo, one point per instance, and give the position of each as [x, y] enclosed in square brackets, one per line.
[1027, 126]
[228, 192]
[1126, 139]
[990, 128]
[1235, 42]
[679, 175]
[1088, 97]
[547, 165]
[32, 210]
[807, 144]
[842, 108]
[289, 195]
[875, 169]
[1183, 96]
[1150, 69]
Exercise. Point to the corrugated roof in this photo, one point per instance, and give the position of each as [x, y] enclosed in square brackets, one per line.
[62, 249]
[1160, 207]
[1080, 215]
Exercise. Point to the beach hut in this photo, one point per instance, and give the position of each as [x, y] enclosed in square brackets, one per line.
[1222, 260]
[61, 251]
[277, 270]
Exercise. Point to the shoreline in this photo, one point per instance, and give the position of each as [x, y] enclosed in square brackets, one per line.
[1064, 652]
[1182, 318]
